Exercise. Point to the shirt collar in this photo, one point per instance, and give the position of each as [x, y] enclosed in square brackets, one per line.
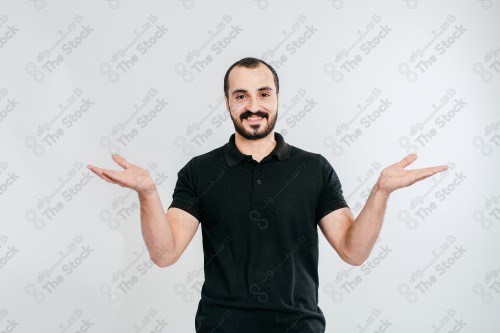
[233, 156]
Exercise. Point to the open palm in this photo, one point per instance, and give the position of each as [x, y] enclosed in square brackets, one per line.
[395, 176]
[133, 176]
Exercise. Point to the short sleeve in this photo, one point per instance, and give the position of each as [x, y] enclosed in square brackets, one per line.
[331, 197]
[184, 196]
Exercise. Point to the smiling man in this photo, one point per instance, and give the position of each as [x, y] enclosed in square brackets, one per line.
[259, 123]
[259, 201]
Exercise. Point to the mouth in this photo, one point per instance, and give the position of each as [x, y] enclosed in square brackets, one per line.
[254, 119]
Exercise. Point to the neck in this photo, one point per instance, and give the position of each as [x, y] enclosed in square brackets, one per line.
[257, 148]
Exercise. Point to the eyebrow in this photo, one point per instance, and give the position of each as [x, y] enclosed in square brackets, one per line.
[237, 91]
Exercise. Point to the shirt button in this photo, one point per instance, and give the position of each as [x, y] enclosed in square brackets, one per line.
[259, 181]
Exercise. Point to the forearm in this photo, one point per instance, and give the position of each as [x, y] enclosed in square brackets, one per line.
[156, 230]
[363, 233]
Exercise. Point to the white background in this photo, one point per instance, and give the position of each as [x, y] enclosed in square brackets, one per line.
[79, 78]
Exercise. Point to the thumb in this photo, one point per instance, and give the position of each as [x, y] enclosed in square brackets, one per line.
[407, 160]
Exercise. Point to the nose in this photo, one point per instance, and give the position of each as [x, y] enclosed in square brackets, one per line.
[253, 105]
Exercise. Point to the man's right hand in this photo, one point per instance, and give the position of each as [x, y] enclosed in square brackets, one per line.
[133, 176]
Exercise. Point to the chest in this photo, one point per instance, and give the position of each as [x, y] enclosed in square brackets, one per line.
[260, 194]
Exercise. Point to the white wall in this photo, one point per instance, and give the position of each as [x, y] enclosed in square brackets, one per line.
[78, 80]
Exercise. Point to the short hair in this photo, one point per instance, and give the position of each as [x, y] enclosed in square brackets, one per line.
[250, 62]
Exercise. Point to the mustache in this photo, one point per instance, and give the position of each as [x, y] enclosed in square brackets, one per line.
[247, 114]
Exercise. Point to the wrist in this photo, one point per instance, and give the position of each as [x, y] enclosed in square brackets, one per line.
[144, 192]
[380, 189]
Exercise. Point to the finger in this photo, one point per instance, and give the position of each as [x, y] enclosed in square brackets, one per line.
[115, 176]
[100, 172]
[120, 160]
[420, 174]
[422, 178]
[407, 160]
[436, 169]
[108, 179]
[94, 169]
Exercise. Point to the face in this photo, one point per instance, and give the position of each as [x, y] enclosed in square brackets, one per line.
[252, 101]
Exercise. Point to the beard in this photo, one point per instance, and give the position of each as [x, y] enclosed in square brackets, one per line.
[258, 131]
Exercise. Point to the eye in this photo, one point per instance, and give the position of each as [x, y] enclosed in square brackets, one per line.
[265, 94]
[240, 96]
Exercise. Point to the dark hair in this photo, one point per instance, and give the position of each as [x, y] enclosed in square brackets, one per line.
[250, 62]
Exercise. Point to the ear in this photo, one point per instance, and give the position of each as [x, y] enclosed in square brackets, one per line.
[227, 104]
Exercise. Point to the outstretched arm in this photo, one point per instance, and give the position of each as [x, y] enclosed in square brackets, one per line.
[166, 235]
[353, 239]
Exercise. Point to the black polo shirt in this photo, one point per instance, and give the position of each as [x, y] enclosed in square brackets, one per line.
[260, 237]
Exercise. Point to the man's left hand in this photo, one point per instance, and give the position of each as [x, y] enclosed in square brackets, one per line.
[394, 176]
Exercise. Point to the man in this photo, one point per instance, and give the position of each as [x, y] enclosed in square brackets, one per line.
[259, 201]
